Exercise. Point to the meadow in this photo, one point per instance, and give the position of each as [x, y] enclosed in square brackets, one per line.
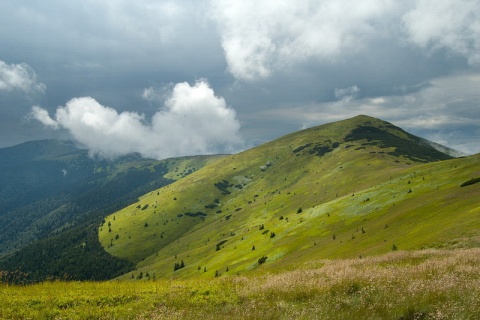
[425, 284]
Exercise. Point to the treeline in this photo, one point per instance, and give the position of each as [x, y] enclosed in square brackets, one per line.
[72, 255]
[53, 217]
[75, 252]
[44, 217]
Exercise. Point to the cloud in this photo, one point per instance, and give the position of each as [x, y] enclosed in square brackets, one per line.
[280, 55]
[347, 93]
[446, 24]
[150, 94]
[155, 94]
[192, 121]
[42, 116]
[19, 77]
[261, 39]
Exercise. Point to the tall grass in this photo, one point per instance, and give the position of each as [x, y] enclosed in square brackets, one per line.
[430, 284]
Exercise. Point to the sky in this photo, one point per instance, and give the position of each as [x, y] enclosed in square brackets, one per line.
[185, 77]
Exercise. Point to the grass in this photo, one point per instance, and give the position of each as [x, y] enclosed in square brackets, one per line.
[341, 193]
[427, 284]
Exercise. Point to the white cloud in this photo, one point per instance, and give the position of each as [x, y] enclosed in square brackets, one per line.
[346, 93]
[192, 121]
[149, 94]
[19, 77]
[157, 94]
[42, 116]
[259, 39]
[450, 24]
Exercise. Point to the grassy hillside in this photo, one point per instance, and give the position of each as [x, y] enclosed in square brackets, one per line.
[52, 192]
[353, 188]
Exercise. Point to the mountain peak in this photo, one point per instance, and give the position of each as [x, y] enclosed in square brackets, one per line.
[365, 132]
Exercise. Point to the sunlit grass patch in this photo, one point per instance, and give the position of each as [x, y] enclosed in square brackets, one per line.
[429, 284]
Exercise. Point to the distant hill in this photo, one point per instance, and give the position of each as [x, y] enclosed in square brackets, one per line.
[352, 188]
[51, 192]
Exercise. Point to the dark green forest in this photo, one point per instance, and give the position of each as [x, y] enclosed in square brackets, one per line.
[53, 196]
[72, 255]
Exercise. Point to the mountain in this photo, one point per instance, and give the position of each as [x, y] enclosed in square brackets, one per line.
[352, 188]
[52, 194]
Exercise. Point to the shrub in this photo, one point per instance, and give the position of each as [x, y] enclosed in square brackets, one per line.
[220, 244]
[178, 266]
[223, 186]
[196, 214]
[470, 182]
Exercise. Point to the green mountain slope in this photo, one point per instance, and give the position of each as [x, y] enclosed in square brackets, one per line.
[54, 192]
[351, 188]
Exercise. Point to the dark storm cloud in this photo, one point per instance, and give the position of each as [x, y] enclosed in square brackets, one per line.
[281, 65]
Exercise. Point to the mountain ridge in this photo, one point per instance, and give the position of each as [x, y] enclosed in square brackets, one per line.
[199, 220]
[271, 188]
